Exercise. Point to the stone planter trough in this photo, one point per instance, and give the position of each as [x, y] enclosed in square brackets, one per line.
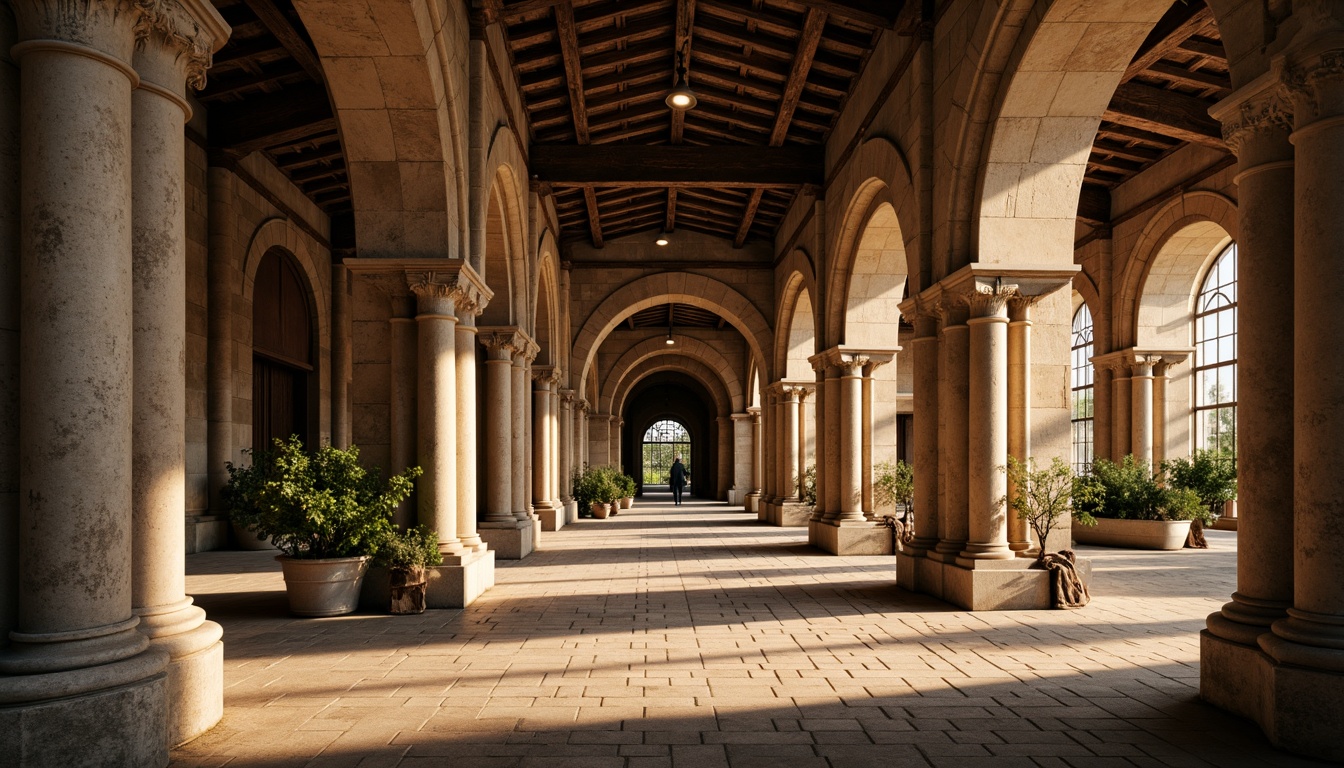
[1133, 534]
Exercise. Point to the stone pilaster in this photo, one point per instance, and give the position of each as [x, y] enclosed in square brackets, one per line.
[754, 494]
[176, 46]
[831, 399]
[1019, 405]
[953, 437]
[742, 449]
[987, 515]
[925, 366]
[823, 448]
[521, 451]
[545, 379]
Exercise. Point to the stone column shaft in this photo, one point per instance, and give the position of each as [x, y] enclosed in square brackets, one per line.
[465, 355]
[987, 520]
[1122, 403]
[436, 387]
[822, 449]
[1141, 415]
[341, 357]
[769, 449]
[1019, 409]
[802, 442]
[742, 446]
[223, 250]
[789, 465]
[541, 463]
[522, 457]
[566, 445]
[756, 464]
[403, 339]
[498, 431]
[954, 404]
[1159, 413]
[866, 459]
[851, 443]
[832, 439]
[925, 456]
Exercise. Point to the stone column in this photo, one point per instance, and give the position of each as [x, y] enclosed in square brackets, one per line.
[954, 404]
[499, 460]
[159, 349]
[802, 440]
[1122, 404]
[341, 356]
[756, 463]
[465, 354]
[742, 445]
[1312, 635]
[925, 368]
[867, 457]
[831, 401]
[77, 671]
[724, 426]
[789, 465]
[1102, 385]
[582, 417]
[1160, 369]
[566, 452]
[436, 412]
[223, 249]
[769, 449]
[823, 448]
[1141, 413]
[10, 152]
[850, 476]
[522, 456]
[987, 520]
[403, 341]
[543, 379]
[1258, 134]
[1019, 406]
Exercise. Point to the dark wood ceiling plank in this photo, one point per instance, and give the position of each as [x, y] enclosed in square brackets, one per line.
[1182, 22]
[278, 24]
[682, 46]
[594, 218]
[748, 216]
[569, 51]
[670, 221]
[1166, 112]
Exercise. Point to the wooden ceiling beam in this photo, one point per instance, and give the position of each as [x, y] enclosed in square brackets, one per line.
[277, 23]
[682, 44]
[1182, 22]
[747, 217]
[873, 13]
[569, 51]
[1190, 77]
[1165, 112]
[284, 117]
[1094, 205]
[670, 222]
[636, 165]
[594, 218]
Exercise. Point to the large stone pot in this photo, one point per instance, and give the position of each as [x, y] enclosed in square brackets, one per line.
[600, 510]
[1133, 534]
[408, 590]
[627, 502]
[327, 587]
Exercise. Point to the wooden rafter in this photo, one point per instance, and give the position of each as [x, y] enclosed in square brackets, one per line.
[682, 44]
[594, 220]
[278, 25]
[813, 25]
[1166, 112]
[1184, 22]
[671, 222]
[569, 51]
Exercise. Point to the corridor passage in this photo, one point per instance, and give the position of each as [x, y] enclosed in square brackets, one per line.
[695, 637]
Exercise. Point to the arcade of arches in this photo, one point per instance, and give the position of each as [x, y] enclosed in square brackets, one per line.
[947, 232]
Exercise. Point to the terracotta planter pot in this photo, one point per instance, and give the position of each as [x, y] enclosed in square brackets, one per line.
[408, 590]
[323, 587]
[627, 502]
[1133, 534]
[600, 510]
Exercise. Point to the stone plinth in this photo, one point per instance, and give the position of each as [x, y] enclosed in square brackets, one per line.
[552, 517]
[461, 579]
[509, 541]
[851, 537]
[792, 514]
[981, 585]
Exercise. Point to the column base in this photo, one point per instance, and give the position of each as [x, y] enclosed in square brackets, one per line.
[1299, 709]
[206, 533]
[195, 681]
[508, 540]
[851, 537]
[789, 514]
[571, 512]
[752, 502]
[125, 724]
[981, 585]
[460, 580]
[736, 497]
[551, 515]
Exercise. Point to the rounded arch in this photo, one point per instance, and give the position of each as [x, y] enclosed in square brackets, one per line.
[1085, 292]
[668, 287]
[393, 73]
[279, 232]
[691, 367]
[1167, 262]
[500, 171]
[686, 347]
[866, 303]
[502, 261]
[546, 311]
[885, 186]
[797, 323]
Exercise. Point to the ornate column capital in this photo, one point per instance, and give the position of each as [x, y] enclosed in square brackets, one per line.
[797, 390]
[545, 376]
[100, 29]
[191, 29]
[568, 397]
[846, 360]
[1135, 358]
[501, 344]
[1019, 308]
[1248, 116]
[457, 283]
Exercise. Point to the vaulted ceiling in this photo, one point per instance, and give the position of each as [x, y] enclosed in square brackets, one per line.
[769, 75]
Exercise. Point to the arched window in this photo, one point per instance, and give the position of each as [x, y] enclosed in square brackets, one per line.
[663, 442]
[1215, 371]
[1080, 400]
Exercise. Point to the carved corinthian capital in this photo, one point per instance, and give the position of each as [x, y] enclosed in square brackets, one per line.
[192, 29]
[1261, 114]
[1313, 82]
[460, 285]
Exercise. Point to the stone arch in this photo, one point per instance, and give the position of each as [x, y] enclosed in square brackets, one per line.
[865, 307]
[884, 188]
[500, 173]
[546, 331]
[279, 232]
[1085, 292]
[1166, 265]
[652, 290]
[686, 347]
[503, 252]
[797, 312]
[393, 69]
[692, 367]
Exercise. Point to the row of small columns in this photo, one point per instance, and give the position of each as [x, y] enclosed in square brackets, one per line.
[1131, 389]
[101, 370]
[972, 397]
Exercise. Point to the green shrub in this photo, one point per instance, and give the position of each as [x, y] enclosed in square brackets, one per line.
[810, 486]
[411, 548]
[894, 483]
[1129, 491]
[1041, 497]
[628, 487]
[1211, 475]
[597, 485]
[315, 505]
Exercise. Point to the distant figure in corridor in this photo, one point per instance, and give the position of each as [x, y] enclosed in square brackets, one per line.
[678, 479]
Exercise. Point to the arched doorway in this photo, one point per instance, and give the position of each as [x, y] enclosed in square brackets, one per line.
[664, 441]
[282, 352]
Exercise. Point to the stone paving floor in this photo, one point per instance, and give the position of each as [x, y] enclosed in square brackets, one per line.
[694, 637]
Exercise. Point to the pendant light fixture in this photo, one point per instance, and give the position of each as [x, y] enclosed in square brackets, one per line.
[662, 239]
[670, 340]
[681, 97]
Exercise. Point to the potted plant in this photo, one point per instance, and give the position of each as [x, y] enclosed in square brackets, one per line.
[628, 488]
[610, 488]
[593, 491]
[1212, 476]
[405, 555]
[1041, 498]
[324, 511]
[1124, 505]
[894, 484]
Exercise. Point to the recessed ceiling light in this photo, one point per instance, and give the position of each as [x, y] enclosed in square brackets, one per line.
[662, 239]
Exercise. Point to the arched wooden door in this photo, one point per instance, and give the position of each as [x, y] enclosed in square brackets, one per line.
[282, 351]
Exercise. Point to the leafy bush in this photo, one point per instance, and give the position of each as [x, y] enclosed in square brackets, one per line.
[1041, 497]
[1211, 475]
[315, 505]
[411, 548]
[597, 485]
[894, 483]
[1130, 491]
[810, 486]
[628, 486]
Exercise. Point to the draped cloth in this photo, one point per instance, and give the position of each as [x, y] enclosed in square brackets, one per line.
[1067, 587]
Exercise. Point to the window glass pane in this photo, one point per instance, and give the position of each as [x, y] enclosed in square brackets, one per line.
[1215, 364]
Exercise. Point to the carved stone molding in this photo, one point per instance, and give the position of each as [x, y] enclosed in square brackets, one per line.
[1303, 81]
[459, 284]
[194, 30]
[1264, 114]
[546, 376]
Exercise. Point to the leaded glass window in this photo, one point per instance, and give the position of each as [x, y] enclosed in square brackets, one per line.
[663, 442]
[1215, 371]
[1081, 405]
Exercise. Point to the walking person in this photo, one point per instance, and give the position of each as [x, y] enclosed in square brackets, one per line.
[678, 480]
